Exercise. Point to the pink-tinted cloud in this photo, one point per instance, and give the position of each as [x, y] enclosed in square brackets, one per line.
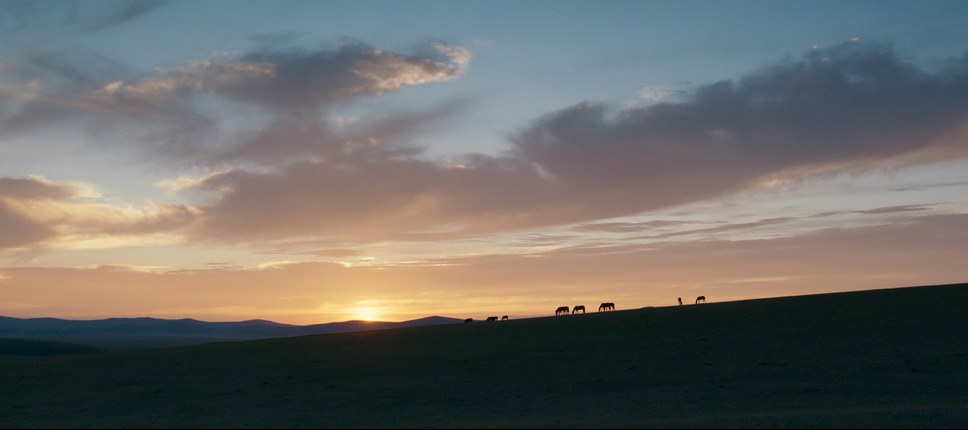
[837, 109]
[301, 80]
[18, 229]
[88, 91]
[37, 213]
[925, 250]
[851, 107]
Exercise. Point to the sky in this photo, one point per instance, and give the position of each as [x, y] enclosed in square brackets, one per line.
[316, 161]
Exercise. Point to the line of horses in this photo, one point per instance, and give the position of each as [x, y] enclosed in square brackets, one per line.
[564, 310]
[470, 320]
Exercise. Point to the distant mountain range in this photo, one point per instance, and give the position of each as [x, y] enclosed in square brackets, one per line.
[148, 332]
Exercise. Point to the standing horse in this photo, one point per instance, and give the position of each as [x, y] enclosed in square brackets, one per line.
[578, 308]
[561, 310]
[700, 299]
[606, 306]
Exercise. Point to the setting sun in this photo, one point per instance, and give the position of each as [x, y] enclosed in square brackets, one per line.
[366, 313]
[367, 177]
[482, 163]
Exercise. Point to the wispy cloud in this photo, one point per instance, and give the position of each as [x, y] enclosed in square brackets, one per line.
[631, 275]
[291, 86]
[56, 18]
[38, 214]
[850, 107]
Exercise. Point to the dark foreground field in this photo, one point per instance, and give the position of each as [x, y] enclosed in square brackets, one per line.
[885, 358]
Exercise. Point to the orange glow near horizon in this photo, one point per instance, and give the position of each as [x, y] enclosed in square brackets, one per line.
[367, 313]
[232, 186]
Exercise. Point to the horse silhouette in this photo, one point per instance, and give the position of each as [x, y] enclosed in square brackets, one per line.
[469, 320]
[606, 306]
[491, 319]
[578, 308]
[700, 299]
[680, 301]
[561, 310]
[504, 318]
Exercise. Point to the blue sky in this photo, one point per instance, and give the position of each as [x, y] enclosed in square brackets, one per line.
[282, 157]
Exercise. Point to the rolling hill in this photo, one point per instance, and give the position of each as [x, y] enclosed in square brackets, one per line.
[893, 358]
[139, 333]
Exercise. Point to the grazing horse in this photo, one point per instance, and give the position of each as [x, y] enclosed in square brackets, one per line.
[491, 319]
[561, 310]
[606, 306]
[578, 308]
[504, 318]
[469, 320]
[700, 299]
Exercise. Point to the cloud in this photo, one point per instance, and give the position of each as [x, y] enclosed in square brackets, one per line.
[850, 107]
[632, 276]
[172, 107]
[294, 80]
[301, 80]
[372, 197]
[34, 188]
[293, 176]
[655, 94]
[36, 213]
[57, 18]
[845, 104]
[627, 227]
[17, 227]
[297, 139]
[896, 209]
[19, 230]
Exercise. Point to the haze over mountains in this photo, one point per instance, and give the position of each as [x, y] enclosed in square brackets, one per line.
[130, 333]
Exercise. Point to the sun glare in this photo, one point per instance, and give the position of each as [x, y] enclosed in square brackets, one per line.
[366, 314]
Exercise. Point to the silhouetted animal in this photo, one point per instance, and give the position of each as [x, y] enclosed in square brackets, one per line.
[561, 310]
[469, 320]
[491, 319]
[578, 308]
[606, 306]
[680, 301]
[700, 299]
[504, 318]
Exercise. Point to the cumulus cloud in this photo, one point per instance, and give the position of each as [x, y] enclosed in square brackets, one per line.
[853, 105]
[846, 104]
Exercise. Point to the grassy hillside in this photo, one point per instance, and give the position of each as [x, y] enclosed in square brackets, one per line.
[29, 347]
[885, 358]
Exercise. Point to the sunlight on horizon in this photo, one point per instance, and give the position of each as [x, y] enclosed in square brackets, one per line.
[299, 165]
[367, 313]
